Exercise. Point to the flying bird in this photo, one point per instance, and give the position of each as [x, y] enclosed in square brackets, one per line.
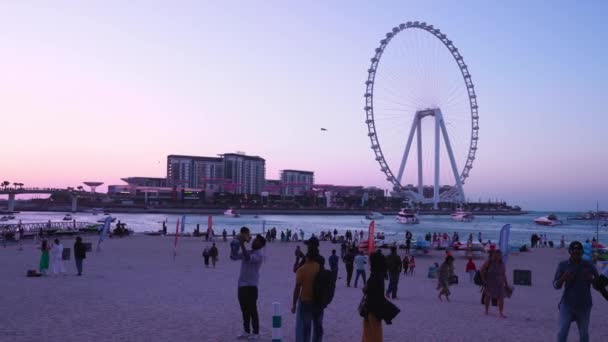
[323, 129]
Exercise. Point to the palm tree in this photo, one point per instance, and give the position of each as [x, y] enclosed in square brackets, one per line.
[5, 184]
[80, 188]
[21, 186]
[15, 184]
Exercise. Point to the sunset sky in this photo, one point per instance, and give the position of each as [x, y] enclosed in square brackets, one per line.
[99, 90]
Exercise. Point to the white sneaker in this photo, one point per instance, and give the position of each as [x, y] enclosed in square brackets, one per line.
[243, 336]
[253, 337]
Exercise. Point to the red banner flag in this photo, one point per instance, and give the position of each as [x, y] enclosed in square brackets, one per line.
[370, 238]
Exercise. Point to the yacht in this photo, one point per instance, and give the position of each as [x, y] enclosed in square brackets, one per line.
[231, 212]
[67, 217]
[407, 216]
[549, 220]
[374, 215]
[462, 216]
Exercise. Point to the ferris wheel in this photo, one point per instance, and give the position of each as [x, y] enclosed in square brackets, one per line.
[419, 93]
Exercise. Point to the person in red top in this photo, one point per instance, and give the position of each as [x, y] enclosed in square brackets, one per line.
[470, 269]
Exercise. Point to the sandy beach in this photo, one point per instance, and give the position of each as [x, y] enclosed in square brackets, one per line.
[133, 290]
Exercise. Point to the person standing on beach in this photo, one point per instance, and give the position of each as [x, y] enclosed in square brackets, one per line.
[393, 262]
[213, 254]
[479, 237]
[575, 305]
[349, 259]
[494, 280]
[80, 253]
[470, 269]
[333, 264]
[446, 272]
[249, 278]
[43, 266]
[412, 265]
[408, 241]
[57, 266]
[360, 262]
[206, 256]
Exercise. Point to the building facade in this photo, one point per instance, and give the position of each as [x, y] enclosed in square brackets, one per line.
[296, 182]
[193, 171]
[246, 174]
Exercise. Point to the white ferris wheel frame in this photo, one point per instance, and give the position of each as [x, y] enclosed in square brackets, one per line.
[456, 194]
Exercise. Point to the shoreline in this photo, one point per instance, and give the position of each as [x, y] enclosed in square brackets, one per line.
[266, 211]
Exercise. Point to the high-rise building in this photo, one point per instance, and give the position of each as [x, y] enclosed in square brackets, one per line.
[193, 171]
[296, 182]
[246, 174]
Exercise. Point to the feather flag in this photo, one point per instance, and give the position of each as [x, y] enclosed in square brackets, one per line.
[175, 241]
[503, 243]
[104, 230]
[370, 238]
[183, 229]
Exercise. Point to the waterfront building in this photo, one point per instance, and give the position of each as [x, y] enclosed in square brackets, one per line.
[296, 182]
[247, 174]
[194, 171]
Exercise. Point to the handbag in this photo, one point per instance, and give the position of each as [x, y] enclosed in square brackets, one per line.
[362, 309]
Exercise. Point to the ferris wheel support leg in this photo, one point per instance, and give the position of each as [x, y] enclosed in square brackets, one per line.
[408, 145]
[419, 143]
[437, 148]
[448, 146]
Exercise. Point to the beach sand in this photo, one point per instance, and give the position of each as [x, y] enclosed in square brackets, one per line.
[133, 290]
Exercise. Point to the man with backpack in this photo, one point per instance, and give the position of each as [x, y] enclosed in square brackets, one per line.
[312, 293]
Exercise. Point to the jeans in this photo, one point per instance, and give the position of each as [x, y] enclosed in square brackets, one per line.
[360, 273]
[79, 265]
[393, 280]
[566, 316]
[309, 322]
[248, 297]
[349, 274]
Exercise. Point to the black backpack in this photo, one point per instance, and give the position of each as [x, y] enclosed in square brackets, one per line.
[477, 278]
[324, 287]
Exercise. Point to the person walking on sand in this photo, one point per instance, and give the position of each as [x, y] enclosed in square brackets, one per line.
[575, 305]
[43, 266]
[412, 265]
[360, 262]
[406, 264]
[349, 259]
[249, 277]
[446, 272]
[206, 255]
[470, 269]
[376, 307]
[408, 241]
[309, 315]
[393, 262]
[57, 266]
[333, 264]
[494, 280]
[80, 253]
[213, 254]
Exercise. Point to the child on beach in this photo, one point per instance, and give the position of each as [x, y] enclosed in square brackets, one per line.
[470, 269]
[406, 264]
[235, 244]
[412, 265]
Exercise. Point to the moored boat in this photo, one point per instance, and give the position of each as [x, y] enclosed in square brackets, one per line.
[374, 215]
[231, 212]
[462, 216]
[549, 220]
[407, 216]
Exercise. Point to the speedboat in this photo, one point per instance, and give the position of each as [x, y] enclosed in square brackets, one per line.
[67, 217]
[549, 220]
[374, 215]
[231, 212]
[462, 216]
[407, 216]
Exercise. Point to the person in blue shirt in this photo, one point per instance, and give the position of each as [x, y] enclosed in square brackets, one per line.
[576, 276]
[360, 262]
[333, 264]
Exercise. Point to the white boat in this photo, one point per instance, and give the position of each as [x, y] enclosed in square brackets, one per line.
[67, 217]
[230, 212]
[549, 220]
[374, 215]
[407, 216]
[462, 216]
